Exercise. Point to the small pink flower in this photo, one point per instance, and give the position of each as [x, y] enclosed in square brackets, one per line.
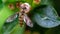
[37, 1]
[18, 4]
[11, 6]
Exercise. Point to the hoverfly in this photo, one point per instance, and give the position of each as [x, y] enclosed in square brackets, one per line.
[22, 14]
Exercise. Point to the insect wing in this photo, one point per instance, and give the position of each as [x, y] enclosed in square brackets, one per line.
[28, 21]
[11, 18]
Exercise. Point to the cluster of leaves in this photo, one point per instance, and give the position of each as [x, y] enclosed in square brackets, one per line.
[39, 14]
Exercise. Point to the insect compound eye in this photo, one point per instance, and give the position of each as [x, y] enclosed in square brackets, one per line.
[26, 7]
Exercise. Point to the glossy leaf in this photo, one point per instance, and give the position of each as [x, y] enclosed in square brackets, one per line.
[5, 13]
[47, 17]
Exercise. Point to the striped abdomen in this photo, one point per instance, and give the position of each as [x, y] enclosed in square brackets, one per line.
[21, 18]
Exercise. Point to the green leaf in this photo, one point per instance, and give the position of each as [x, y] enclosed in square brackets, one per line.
[47, 2]
[13, 28]
[4, 1]
[18, 30]
[46, 17]
[34, 5]
[5, 12]
[55, 30]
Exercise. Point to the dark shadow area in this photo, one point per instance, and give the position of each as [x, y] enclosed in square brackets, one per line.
[57, 6]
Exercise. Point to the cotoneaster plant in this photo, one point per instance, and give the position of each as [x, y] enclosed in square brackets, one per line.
[16, 14]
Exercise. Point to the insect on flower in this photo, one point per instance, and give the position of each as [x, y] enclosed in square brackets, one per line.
[25, 8]
[22, 14]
